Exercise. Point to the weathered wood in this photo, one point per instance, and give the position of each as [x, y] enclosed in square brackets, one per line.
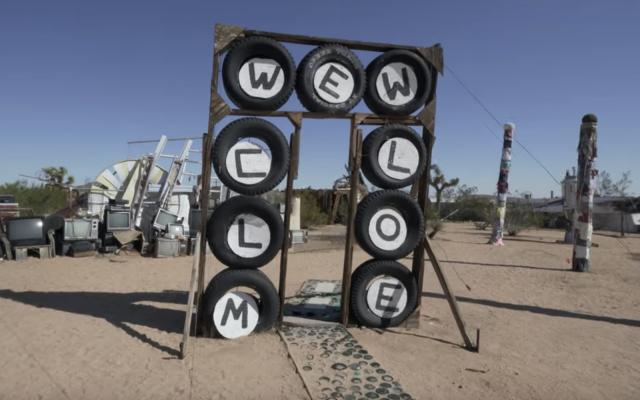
[355, 157]
[286, 243]
[451, 299]
[366, 118]
[186, 331]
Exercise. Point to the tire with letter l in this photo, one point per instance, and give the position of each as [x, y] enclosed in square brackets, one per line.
[258, 73]
[383, 293]
[393, 156]
[224, 307]
[245, 232]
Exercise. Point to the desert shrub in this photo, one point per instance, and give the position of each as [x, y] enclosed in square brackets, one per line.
[520, 216]
[40, 198]
[310, 209]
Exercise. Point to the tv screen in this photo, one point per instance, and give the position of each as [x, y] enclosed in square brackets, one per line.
[27, 231]
[118, 220]
[165, 218]
[175, 230]
[79, 229]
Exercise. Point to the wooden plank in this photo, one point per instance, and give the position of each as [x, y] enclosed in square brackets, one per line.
[314, 40]
[368, 118]
[355, 153]
[284, 251]
[186, 331]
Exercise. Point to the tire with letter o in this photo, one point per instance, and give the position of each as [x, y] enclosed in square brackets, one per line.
[399, 83]
[258, 73]
[233, 313]
[245, 232]
[393, 156]
[389, 224]
[330, 79]
[244, 166]
[383, 293]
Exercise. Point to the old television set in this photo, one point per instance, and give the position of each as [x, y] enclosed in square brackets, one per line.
[164, 218]
[174, 230]
[26, 231]
[117, 220]
[81, 229]
[195, 218]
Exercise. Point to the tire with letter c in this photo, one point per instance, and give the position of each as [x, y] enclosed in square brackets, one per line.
[246, 167]
[233, 313]
[383, 293]
[389, 224]
[399, 82]
[330, 79]
[393, 156]
[245, 232]
[258, 73]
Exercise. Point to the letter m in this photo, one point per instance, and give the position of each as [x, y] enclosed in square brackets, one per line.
[236, 313]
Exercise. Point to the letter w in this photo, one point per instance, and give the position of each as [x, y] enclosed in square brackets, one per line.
[263, 80]
[403, 88]
[236, 313]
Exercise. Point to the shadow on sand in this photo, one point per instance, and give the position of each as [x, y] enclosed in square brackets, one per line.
[552, 312]
[119, 309]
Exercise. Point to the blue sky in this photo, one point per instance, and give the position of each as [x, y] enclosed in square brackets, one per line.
[80, 79]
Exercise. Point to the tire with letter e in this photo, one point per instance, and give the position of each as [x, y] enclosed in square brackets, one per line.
[239, 302]
[245, 232]
[258, 73]
[389, 224]
[330, 79]
[250, 156]
[383, 293]
[398, 83]
[393, 156]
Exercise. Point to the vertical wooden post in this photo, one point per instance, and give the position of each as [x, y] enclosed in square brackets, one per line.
[417, 266]
[355, 150]
[503, 187]
[583, 227]
[294, 148]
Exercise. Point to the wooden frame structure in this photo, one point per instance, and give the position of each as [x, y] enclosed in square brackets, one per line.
[218, 109]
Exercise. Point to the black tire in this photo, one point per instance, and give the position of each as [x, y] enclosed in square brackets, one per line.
[246, 49]
[306, 90]
[404, 173]
[410, 100]
[222, 224]
[402, 210]
[363, 280]
[251, 128]
[268, 301]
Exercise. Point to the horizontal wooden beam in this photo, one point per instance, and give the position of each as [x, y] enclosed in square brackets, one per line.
[369, 119]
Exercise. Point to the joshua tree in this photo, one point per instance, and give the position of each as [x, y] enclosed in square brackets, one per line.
[55, 176]
[440, 184]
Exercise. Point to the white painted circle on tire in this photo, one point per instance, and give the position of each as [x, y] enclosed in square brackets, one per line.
[247, 163]
[333, 82]
[387, 229]
[261, 77]
[397, 84]
[386, 297]
[398, 158]
[236, 314]
[249, 236]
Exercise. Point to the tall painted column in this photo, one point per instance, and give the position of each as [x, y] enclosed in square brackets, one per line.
[582, 222]
[503, 186]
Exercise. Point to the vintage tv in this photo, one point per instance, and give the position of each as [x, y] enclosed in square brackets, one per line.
[175, 230]
[117, 220]
[26, 231]
[195, 218]
[81, 229]
[164, 218]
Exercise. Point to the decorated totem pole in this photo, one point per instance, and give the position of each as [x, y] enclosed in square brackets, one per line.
[582, 223]
[503, 187]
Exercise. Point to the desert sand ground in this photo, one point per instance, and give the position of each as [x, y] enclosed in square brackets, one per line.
[109, 328]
